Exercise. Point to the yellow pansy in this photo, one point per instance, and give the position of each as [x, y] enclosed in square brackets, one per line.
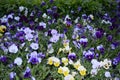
[50, 61]
[2, 28]
[65, 61]
[77, 65]
[56, 64]
[60, 70]
[83, 72]
[65, 71]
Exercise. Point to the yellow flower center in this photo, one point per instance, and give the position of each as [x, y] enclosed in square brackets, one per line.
[65, 73]
[60, 71]
[83, 72]
[56, 64]
[50, 61]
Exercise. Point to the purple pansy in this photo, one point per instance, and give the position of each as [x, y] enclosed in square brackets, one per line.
[99, 33]
[101, 48]
[34, 58]
[27, 73]
[72, 56]
[41, 55]
[89, 55]
[109, 38]
[12, 75]
[116, 60]
[3, 59]
[83, 41]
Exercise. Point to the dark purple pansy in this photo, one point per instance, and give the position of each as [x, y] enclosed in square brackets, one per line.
[39, 13]
[89, 55]
[40, 27]
[113, 26]
[23, 18]
[19, 24]
[54, 8]
[51, 1]
[49, 33]
[3, 59]
[84, 16]
[43, 3]
[27, 73]
[12, 27]
[22, 39]
[116, 60]
[79, 9]
[106, 17]
[72, 56]
[49, 11]
[99, 33]
[109, 38]
[55, 15]
[20, 33]
[83, 41]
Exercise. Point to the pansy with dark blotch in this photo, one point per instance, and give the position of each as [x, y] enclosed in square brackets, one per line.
[27, 73]
[3, 59]
[83, 41]
[89, 55]
[12, 75]
[99, 33]
[34, 58]
[72, 56]
[116, 60]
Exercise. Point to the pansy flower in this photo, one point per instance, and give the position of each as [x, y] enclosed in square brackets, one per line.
[12, 75]
[27, 73]
[18, 61]
[13, 48]
[34, 58]
[89, 55]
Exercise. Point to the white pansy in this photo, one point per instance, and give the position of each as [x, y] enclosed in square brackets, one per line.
[44, 15]
[83, 40]
[29, 37]
[34, 46]
[76, 20]
[28, 31]
[50, 49]
[93, 61]
[18, 61]
[17, 18]
[21, 8]
[96, 65]
[74, 73]
[107, 74]
[33, 78]
[71, 62]
[94, 72]
[69, 77]
[13, 48]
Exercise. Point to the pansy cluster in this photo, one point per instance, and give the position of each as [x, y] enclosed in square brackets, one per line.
[42, 45]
